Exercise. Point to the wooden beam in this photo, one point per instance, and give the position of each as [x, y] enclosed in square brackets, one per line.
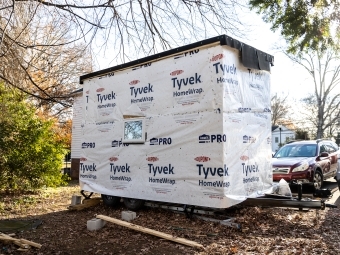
[7, 237]
[86, 204]
[23, 243]
[150, 231]
[36, 245]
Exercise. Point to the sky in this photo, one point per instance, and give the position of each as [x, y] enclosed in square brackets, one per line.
[287, 78]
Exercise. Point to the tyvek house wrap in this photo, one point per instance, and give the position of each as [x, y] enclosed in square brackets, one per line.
[207, 130]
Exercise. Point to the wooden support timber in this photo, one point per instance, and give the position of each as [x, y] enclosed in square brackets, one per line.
[292, 203]
[22, 243]
[150, 231]
[86, 204]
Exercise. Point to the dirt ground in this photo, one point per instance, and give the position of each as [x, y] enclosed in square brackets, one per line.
[264, 230]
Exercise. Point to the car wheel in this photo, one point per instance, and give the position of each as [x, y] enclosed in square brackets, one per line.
[317, 180]
[133, 204]
[110, 200]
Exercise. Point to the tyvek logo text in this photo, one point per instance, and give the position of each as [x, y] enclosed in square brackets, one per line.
[105, 97]
[85, 167]
[212, 171]
[161, 169]
[224, 70]
[249, 170]
[135, 92]
[186, 81]
[119, 168]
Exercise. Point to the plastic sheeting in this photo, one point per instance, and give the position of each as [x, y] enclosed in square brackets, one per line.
[16, 225]
[207, 125]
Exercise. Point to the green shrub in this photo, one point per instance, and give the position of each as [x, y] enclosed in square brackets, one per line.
[31, 154]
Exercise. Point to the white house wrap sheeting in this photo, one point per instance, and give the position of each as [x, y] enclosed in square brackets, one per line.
[208, 130]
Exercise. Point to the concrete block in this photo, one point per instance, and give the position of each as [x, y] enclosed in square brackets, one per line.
[95, 224]
[76, 200]
[128, 215]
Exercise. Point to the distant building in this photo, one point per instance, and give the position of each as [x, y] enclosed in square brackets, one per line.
[76, 133]
[280, 136]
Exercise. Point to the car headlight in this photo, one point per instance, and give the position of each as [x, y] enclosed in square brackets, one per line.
[303, 167]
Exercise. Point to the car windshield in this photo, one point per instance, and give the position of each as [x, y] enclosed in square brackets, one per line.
[296, 150]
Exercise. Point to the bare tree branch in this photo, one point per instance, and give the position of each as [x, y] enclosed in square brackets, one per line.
[322, 108]
[34, 32]
[279, 109]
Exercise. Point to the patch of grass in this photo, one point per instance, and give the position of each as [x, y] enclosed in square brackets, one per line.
[35, 203]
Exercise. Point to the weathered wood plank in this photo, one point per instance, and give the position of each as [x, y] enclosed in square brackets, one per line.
[36, 245]
[86, 204]
[23, 243]
[150, 231]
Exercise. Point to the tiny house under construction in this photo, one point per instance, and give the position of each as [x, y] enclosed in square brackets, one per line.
[191, 125]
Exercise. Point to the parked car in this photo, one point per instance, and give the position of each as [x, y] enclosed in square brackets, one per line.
[337, 177]
[307, 162]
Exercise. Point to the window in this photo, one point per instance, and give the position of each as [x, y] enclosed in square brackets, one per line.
[330, 148]
[334, 145]
[276, 140]
[297, 150]
[323, 149]
[134, 131]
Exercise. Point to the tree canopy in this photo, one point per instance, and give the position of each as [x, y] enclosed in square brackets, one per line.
[311, 24]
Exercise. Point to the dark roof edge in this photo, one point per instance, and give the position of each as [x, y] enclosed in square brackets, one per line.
[250, 57]
[77, 91]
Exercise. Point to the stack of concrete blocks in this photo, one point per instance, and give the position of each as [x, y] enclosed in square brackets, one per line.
[95, 224]
[128, 215]
[76, 200]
